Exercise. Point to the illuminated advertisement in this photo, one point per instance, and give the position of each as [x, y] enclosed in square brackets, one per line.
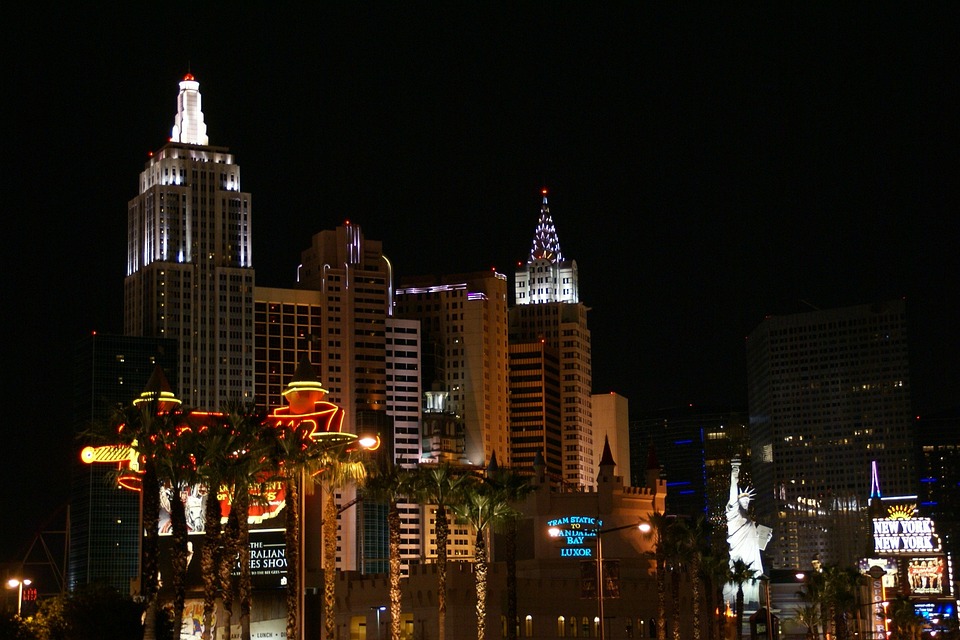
[575, 534]
[901, 533]
[926, 575]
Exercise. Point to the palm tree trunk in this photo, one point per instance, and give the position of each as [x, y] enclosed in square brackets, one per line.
[511, 560]
[178, 521]
[675, 597]
[210, 560]
[740, 611]
[243, 528]
[661, 597]
[441, 572]
[292, 497]
[228, 561]
[330, 566]
[393, 522]
[149, 559]
[480, 565]
[697, 595]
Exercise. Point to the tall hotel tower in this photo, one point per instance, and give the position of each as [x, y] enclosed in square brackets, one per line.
[340, 316]
[548, 311]
[190, 260]
[464, 323]
[829, 393]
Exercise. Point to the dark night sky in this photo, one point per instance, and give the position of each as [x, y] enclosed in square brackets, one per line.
[706, 167]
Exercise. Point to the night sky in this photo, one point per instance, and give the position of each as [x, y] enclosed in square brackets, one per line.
[706, 167]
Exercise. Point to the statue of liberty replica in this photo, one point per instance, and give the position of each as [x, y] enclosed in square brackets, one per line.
[746, 539]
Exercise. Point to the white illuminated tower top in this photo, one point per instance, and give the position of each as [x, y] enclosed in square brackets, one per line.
[546, 277]
[190, 260]
[188, 127]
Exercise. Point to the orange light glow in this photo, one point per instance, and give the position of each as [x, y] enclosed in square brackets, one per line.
[543, 191]
[189, 76]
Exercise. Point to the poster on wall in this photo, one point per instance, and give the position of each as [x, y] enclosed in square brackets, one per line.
[925, 575]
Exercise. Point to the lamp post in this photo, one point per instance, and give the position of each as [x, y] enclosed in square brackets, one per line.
[598, 533]
[19, 584]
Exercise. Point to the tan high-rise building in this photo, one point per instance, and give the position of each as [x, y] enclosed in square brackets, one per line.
[340, 316]
[464, 325]
[190, 260]
[548, 309]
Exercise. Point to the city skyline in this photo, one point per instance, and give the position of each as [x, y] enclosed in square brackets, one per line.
[704, 169]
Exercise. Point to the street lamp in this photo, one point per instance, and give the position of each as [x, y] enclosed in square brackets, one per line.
[19, 584]
[598, 533]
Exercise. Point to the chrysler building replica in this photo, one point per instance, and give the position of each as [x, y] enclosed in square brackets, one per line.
[549, 325]
[189, 260]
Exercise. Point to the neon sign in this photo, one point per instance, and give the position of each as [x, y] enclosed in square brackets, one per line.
[574, 533]
[904, 536]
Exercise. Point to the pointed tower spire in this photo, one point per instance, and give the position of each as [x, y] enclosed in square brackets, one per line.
[546, 244]
[158, 390]
[606, 459]
[188, 126]
[546, 276]
[493, 467]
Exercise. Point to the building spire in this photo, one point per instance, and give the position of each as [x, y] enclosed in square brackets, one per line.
[188, 126]
[546, 245]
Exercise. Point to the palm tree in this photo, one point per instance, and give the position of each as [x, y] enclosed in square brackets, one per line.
[177, 472]
[292, 453]
[483, 507]
[245, 473]
[676, 549]
[840, 597]
[905, 622]
[136, 426]
[696, 539]
[213, 452]
[514, 488]
[390, 484]
[812, 596]
[439, 485]
[808, 616]
[714, 569]
[659, 525]
[740, 573]
[337, 468]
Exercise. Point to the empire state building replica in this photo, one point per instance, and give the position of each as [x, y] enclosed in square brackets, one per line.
[190, 270]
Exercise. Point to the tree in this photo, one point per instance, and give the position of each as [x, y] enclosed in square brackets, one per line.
[245, 479]
[740, 573]
[714, 571]
[292, 454]
[337, 468]
[840, 597]
[483, 507]
[513, 487]
[659, 525]
[905, 622]
[807, 615]
[812, 596]
[142, 426]
[92, 612]
[696, 539]
[439, 485]
[390, 484]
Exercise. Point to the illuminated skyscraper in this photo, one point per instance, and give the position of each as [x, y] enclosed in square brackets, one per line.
[548, 308]
[829, 393]
[341, 317]
[190, 260]
[463, 319]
